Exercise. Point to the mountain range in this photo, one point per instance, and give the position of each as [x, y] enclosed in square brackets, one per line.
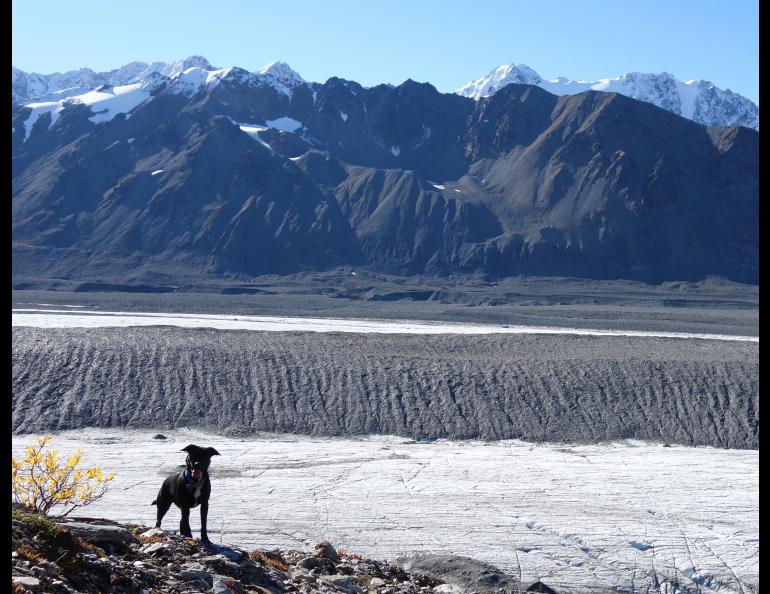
[697, 100]
[160, 170]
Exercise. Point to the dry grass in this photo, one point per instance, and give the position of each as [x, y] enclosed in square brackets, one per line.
[98, 551]
[274, 563]
[345, 555]
[233, 585]
[29, 554]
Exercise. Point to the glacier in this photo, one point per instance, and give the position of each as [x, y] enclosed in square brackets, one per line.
[581, 518]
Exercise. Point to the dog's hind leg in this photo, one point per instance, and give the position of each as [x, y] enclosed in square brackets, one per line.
[163, 502]
[184, 525]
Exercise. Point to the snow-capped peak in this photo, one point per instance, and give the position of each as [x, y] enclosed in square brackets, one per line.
[186, 75]
[280, 76]
[181, 66]
[698, 100]
[192, 79]
[280, 69]
[498, 78]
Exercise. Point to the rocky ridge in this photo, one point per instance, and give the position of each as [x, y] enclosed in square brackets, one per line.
[87, 555]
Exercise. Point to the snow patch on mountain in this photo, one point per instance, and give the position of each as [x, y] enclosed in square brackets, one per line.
[38, 109]
[253, 131]
[105, 101]
[697, 100]
[284, 124]
[110, 101]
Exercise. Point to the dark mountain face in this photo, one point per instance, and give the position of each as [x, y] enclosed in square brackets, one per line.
[242, 179]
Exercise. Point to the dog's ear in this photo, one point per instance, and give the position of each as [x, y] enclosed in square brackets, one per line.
[189, 448]
[213, 452]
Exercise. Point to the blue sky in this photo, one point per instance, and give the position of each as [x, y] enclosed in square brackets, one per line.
[444, 42]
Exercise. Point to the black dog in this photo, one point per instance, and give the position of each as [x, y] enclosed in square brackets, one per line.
[187, 489]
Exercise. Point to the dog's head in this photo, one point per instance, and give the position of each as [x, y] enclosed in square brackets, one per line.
[198, 460]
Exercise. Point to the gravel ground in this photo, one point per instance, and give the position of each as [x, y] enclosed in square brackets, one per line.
[706, 307]
[538, 388]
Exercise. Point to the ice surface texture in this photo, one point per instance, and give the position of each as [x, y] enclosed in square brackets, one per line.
[580, 518]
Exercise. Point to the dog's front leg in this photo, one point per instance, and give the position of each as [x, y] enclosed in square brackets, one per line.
[204, 515]
[184, 525]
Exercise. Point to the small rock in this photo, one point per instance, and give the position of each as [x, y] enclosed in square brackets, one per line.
[196, 574]
[233, 555]
[26, 581]
[197, 585]
[377, 582]
[254, 574]
[340, 581]
[304, 577]
[448, 589]
[326, 550]
[539, 586]
[220, 564]
[159, 436]
[38, 571]
[154, 547]
[152, 532]
[309, 562]
[220, 587]
[51, 569]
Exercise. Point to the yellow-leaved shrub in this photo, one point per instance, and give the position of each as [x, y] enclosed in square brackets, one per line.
[41, 481]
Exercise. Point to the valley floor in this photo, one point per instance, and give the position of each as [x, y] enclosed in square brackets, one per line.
[357, 355]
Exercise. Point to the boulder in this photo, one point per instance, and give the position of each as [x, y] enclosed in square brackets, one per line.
[108, 536]
[326, 550]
